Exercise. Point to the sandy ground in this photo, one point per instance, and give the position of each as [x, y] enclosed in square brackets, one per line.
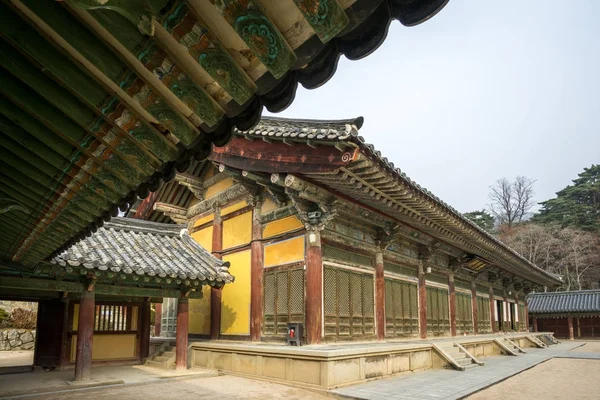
[221, 388]
[556, 379]
[589, 347]
[15, 358]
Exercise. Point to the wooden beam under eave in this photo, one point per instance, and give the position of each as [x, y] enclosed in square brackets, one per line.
[176, 213]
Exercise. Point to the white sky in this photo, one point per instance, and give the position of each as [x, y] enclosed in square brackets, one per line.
[484, 90]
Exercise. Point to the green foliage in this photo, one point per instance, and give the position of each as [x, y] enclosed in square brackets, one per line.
[3, 315]
[577, 205]
[23, 319]
[482, 219]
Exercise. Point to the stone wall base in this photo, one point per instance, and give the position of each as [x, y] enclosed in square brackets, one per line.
[17, 339]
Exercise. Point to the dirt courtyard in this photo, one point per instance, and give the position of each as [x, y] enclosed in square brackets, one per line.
[221, 387]
[555, 379]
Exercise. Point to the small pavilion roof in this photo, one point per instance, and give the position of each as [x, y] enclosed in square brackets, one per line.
[581, 301]
[133, 246]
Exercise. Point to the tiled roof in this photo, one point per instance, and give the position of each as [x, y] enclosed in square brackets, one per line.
[302, 129]
[583, 301]
[329, 132]
[141, 247]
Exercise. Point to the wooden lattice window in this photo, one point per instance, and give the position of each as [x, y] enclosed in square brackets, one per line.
[438, 317]
[464, 313]
[401, 309]
[283, 300]
[348, 302]
[342, 256]
[483, 314]
[111, 318]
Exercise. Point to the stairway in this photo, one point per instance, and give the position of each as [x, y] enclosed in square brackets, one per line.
[458, 356]
[164, 358]
[513, 346]
[537, 342]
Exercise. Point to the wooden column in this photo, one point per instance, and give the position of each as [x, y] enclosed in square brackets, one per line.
[314, 287]
[518, 323]
[145, 331]
[526, 315]
[379, 295]
[157, 318]
[535, 324]
[475, 307]
[181, 340]
[85, 336]
[571, 333]
[492, 308]
[64, 341]
[256, 271]
[578, 328]
[452, 303]
[215, 294]
[505, 312]
[422, 303]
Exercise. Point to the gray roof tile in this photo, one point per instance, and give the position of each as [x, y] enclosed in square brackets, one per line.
[134, 246]
[583, 301]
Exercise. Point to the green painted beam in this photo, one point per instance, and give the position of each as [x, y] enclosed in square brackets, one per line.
[11, 282]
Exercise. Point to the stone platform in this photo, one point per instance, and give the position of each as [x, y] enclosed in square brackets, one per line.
[329, 366]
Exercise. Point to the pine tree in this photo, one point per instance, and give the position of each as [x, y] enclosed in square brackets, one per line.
[482, 219]
[577, 205]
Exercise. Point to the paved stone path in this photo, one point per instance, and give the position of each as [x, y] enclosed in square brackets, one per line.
[450, 384]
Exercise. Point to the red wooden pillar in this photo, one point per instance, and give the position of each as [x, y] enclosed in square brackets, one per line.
[535, 324]
[379, 295]
[215, 294]
[571, 333]
[157, 318]
[422, 303]
[452, 303]
[492, 309]
[526, 316]
[474, 306]
[85, 336]
[181, 339]
[145, 331]
[314, 287]
[506, 313]
[256, 271]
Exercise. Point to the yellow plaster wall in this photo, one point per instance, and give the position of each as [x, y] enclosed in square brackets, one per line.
[284, 252]
[204, 220]
[237, 230]
[199, 313]
[235, 298]
[218, 187]
[204, 238]
[234, 207]
[280, 226]
[109, 346]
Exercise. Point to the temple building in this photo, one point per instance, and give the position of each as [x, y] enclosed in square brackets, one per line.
[570, 315]
[101, 288]
[320, 228]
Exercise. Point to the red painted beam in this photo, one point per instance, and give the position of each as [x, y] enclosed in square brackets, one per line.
[145, 207]
[314, 288]
[452, 305]
[215, 294]
[256, 273]
[181, 339]
[379, 295]
[475, 308]
[85, 336]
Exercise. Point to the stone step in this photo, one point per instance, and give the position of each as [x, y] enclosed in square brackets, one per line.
[167, 353]
[464, 361]
[470, 366]
[460, 356]
[156, 364]
[161, 358]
